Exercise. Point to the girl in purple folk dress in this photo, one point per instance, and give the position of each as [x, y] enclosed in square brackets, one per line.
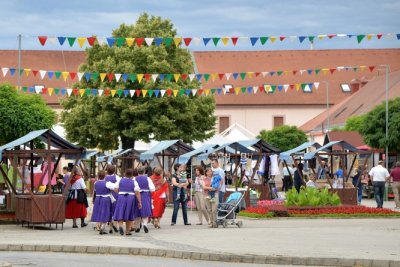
[146, 187]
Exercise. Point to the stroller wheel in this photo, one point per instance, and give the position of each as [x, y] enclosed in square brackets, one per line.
[239, 224]
[224, 224]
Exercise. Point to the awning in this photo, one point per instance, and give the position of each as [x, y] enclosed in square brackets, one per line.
[329, 148]
[300, 149]
[204, 148]
[168, 147]
[109, 157]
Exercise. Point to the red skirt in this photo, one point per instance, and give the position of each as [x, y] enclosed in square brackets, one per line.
[159, 207]
[75, 210]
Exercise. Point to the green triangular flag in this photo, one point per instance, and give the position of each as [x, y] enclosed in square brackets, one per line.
[21, 71]
[71, 41]
[243, 75]
[303, 86]
[24, 89]
[311, 39]
[168, 41]
[56, 91]
[57, 74]
[95, 76]
[263, 40]
[273, 88]
[216, 40]
[88, 91]
[279, 73]
[169, 77]
[181, 91]
[360, 37]
[120, 41]
[132, 76]
[213, 91]
[243, 90]
[317, 71]
[150, 92]
[120, 92]
[206, 76]
[355, 68]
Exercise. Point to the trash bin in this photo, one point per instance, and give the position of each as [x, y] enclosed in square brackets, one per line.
[253, 198]
[272, 189]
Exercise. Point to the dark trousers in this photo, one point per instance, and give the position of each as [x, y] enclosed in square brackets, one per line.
[176, 208]
[287, 183]
[379, 191]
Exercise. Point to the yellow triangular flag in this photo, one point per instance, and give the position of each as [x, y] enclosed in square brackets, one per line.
[321, 36]
[176, 77]
[369, 36]
[298, 86]
[214, 76]
[27, 71]
[362, 68]
[249, 74]
[50, 91]
[102, 76]
[129, 41]
[175, 92]
[81, 41]
[287, 72]
[65, 75]
[144, 92]
[139, 77]
[273, 39]
[113, 91]
[225, 40]
[82, 92]
[177, 41]
[207, 91]
[325, 71]
[237, 90]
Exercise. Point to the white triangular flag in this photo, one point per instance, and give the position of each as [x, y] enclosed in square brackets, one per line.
[243, 40]
[316, 84]
[38, 89]
[148, 41]
[302, 71]
[255, 89]
[117, 76]
[52, 39]
[285, 87]
[100, 92]
[191, 76]
[42, 73]
[264, 73]
[194, 91]
[102, 40]
[293, 38]
[196, 41]
[341, 35]
[4, 70]
[162, 92]
[228, 75]
[154, 77]
[69, 91]
[80, 75]
[132, 92]
[389, 36]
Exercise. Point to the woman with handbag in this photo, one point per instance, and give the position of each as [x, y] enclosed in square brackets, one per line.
[77, 200]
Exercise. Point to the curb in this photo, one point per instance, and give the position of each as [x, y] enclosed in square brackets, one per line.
[190, 255]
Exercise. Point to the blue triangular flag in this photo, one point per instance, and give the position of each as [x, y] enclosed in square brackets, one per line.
[31, 89]
[253, 40]
[301, 38]
[398, 36]
[309, 72]
[156, 92]
[161, 77]
[94, 91]
[63, 91]
[110, 41]
[310, 85]
[50, 74]
[125, 77]
[249, 89]
[126, 92]
[219, 90]
[188, 91]
[235, 75]
[198, 76]
[61, 40]
[206, 40]
[351, 35]
[87, 76]
[158, 41]
[280, 87]
[12, 71]
[272, 73]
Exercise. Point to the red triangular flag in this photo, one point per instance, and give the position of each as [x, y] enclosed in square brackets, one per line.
[257, 73]
[234, 40]
[42, 40]
[91, 40]
[291, 86]
[330, 36]
[200, 92]
[261, 89]
[282, 38]
[184, 76]
[294, 72]
[139, 41]
[147, 76]
[75, 91]
[332, 70]
[35, 72]
[187, 41]
[110, 76]
[138, 92]
[371, 68]
[72, 75]
[169, 92]
[379, 35]
[106, 92]
[221, 75]
[44, 91]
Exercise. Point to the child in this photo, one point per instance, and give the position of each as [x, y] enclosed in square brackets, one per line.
[215, 183]
[182, 177]
[311, 181]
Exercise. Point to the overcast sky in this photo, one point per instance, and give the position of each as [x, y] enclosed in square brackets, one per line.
[204, 18]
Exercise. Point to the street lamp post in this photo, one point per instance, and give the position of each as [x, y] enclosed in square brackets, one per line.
[327, 105]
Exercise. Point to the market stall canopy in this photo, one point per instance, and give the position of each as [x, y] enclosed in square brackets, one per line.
[244, 146]
[298, 150]
[168, 148]
[203, 149]
[56, 141]
[330, 148]
[117, 153]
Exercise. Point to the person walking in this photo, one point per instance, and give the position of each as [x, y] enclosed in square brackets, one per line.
[112, 178]
[218, 171]
[182, 200]
[146, 187]
[287, 181]
[395, 181]
[211, 204]
[77, 201]
[379, 176]
[199, 195]
[159, 196]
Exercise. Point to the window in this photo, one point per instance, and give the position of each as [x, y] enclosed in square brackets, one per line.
[345, 87]
[278, 121]
[223, 123]
[228, 88]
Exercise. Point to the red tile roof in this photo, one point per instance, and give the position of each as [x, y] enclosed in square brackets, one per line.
[351, 137]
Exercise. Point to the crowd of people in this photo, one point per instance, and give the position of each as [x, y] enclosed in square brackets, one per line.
[130, 203]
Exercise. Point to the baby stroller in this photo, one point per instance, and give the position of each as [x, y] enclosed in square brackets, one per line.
[227, 211]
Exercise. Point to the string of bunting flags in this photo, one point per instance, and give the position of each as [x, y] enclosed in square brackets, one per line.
[217, 41]
[146, 77]
[266, 88]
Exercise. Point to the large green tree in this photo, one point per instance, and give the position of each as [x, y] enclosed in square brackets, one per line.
[284, 137]
[373, 128]
[104, 121]
[354, 123]
[22, 113]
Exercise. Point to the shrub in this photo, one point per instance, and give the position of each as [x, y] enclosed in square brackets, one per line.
[309, 196]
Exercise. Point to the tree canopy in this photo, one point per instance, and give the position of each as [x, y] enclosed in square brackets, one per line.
[22, 113]
[373, 128]
[284, 137]
[104, 121]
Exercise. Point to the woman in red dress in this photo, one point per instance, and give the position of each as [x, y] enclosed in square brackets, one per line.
[160, 196]
[77, 200]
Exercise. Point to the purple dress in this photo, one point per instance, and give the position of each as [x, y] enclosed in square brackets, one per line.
[124, 210]
[112, 179]
[102, 204]
[146, 210]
